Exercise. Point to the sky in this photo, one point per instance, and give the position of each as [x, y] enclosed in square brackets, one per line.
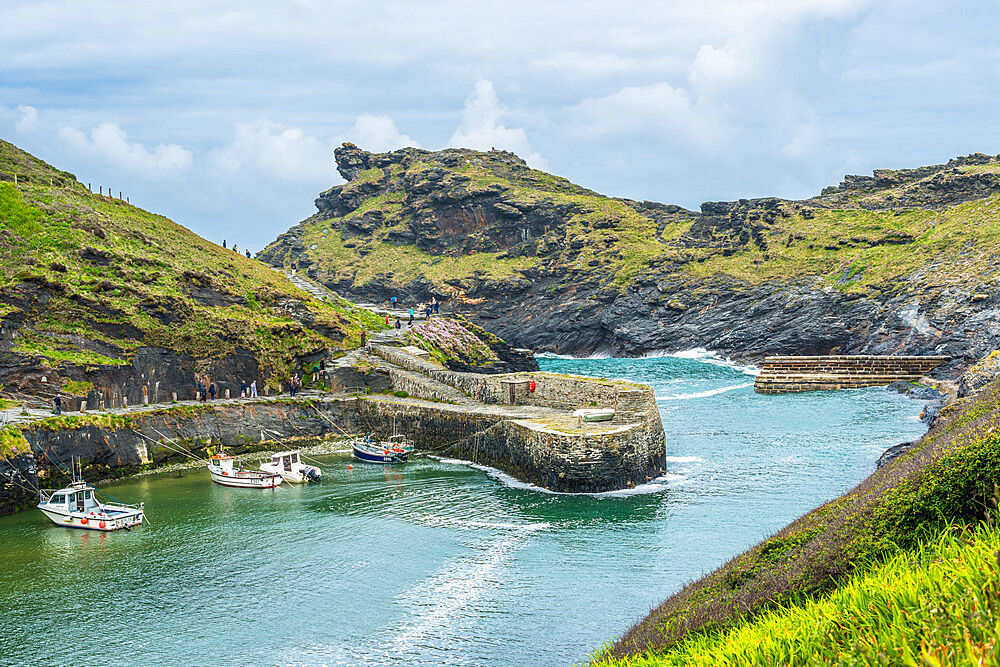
[224, 115]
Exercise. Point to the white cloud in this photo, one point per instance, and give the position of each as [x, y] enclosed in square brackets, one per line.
[274, 151]
[377, 134]
[109, 143]
[28, 122]
[658, 112]
[481, 128]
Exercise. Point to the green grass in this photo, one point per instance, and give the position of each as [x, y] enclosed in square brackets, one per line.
[849, 248]
[935, 604]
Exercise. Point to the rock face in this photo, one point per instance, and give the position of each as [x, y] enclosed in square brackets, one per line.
[900, 262]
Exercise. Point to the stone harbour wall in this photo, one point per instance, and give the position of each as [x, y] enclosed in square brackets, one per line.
[810, 373]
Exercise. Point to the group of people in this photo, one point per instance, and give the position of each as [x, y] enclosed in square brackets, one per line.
[431, 308]
[248, 390]
[235, 248]
[207, 392]
[294, 384]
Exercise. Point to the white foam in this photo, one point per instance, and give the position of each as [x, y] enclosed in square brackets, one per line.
[683, 459]
[704, 394]
[652, 486]
[705, 356]
[443, 520]
[599, 354]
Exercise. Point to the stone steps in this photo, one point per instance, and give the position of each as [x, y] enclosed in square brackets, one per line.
[811, 373]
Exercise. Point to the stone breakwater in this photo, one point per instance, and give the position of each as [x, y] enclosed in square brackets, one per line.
[809, 373]
[536, 439]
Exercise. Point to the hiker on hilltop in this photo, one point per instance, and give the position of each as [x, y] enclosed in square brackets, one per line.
[235, 249]
[248, 254]
[223, 243]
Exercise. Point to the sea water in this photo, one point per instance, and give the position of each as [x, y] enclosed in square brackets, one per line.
[438, 562]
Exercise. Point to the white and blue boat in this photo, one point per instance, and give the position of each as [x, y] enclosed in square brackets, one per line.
[77, 506]
[395, 449]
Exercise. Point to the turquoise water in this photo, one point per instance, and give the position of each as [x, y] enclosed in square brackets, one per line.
[437, 563]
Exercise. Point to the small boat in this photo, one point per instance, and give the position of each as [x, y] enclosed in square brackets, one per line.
[223, 470]
[395, 449]
[76, 506]
[595, 414]
[291, 468]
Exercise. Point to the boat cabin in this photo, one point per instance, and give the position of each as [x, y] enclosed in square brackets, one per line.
[285, 460]
[227, 463]
[76, 498]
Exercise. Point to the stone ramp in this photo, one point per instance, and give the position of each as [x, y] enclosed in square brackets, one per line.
[781, 374]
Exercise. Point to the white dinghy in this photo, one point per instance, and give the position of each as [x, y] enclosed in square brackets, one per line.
[77, 506]
[291, 468]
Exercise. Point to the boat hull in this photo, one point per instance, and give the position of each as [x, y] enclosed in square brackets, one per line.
[379, 457]
[110, 521]
[246, 481]
[293, 476]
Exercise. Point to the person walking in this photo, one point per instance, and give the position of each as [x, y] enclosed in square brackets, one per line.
[399, 325]
[201, 391]
[364, 338]
[435, 305]
[253, 389]
[211, 391]
[243, 388]
[394, 303]
[291, 385]
[223, 243]
[58, 401]
[410, 323]
[387, 319]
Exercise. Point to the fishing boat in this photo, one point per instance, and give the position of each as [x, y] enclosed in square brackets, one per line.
[77, 506]
[595, 414]
[394, 449]
[291, 468]
[223, 470]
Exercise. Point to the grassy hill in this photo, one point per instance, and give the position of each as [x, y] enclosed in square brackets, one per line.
[834, 578]
[88, 281]
[491, 236]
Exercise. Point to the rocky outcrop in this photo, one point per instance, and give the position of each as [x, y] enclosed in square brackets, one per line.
[566, 270]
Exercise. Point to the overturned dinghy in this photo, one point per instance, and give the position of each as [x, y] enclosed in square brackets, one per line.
[595, 414]
[76, 506]
[291, 468]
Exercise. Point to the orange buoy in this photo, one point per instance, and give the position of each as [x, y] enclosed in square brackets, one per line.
[84, 521]
[102, 524]
[350, 467]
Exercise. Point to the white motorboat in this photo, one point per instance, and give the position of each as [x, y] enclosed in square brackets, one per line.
[223, 470]
[77, 506]
[291, 468]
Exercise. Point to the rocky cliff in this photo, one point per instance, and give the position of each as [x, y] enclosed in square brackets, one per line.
[900, 262]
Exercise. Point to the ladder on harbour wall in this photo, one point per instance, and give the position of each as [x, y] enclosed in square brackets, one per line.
[781, 374]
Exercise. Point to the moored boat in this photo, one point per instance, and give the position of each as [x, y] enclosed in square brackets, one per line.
[291, 468]
[223, 470]
[395, 449]
[77, 506]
